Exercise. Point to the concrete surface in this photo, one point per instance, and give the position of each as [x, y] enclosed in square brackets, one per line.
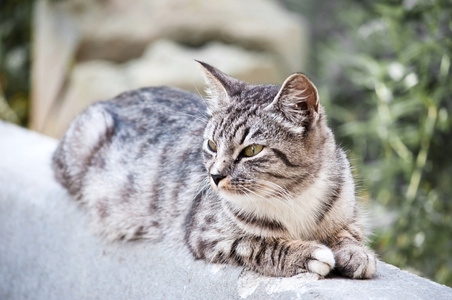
[47, 251]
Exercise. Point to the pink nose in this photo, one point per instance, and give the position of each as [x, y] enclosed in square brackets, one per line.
[217, 178]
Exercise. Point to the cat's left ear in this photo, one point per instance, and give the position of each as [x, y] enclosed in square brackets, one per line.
[221, 88]
[297, 101]
[297, 97]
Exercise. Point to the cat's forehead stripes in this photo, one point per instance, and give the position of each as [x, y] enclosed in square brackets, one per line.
[252, 124]
[244, 135]
[237, 132]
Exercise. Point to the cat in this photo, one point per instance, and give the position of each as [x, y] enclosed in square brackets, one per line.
[250, 176]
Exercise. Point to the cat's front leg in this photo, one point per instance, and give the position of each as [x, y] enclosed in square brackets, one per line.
[353, 258]
[268, 256]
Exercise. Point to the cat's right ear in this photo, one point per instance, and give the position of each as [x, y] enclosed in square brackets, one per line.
[221, 88]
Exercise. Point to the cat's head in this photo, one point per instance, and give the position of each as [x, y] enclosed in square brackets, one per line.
[261, 141]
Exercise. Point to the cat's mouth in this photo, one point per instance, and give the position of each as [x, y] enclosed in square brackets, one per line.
[229, 187]
[250, 189]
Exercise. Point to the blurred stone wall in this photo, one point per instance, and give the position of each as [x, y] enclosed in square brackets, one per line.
[86, 50]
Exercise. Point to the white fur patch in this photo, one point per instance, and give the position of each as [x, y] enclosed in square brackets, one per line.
[224, 246]
[298, 215]
[244, 249]
[323, 263]
[303, 217]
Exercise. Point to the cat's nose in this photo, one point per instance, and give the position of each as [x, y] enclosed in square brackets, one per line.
[217, 178]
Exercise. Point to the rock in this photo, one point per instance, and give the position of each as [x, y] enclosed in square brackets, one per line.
[117, 30]
[167, 63]
[48, 252]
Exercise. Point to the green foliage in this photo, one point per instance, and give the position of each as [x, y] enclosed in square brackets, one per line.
[388, 88]
[15, 40]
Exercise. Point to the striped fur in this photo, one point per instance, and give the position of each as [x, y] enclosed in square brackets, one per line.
[143, 166]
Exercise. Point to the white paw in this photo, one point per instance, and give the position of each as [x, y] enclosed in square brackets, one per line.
[322, 261]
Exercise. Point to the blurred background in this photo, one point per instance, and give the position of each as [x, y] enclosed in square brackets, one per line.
[383, 70]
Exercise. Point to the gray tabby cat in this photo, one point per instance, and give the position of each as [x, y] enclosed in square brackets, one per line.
[254, 179]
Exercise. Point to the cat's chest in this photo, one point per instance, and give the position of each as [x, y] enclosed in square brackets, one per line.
[292, 218]
[301, 218]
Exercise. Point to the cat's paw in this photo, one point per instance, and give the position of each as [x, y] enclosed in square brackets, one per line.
[317, 259]
[321, 261]
[356, 262]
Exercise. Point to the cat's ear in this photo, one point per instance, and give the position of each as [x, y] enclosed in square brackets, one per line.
[220, 87]
[297, 98]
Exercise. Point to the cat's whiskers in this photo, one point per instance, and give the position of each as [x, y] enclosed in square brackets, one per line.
[282, 192]
[199, 94]
[247, 190]
[202, 112]
[272, 196]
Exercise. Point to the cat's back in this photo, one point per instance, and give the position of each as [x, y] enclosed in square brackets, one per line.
[130, 133]
[155, 111]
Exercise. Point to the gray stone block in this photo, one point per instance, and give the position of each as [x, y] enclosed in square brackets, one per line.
[48, 252]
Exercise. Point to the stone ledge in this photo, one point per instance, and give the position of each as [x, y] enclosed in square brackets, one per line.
[46, 251]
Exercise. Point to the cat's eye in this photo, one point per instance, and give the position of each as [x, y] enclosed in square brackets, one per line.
[252, 150]
[212, 146]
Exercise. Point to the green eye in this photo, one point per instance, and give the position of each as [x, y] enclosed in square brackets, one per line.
[252, 150]
[212, 146]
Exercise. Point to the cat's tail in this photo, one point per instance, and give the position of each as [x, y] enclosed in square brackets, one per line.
[87, 134]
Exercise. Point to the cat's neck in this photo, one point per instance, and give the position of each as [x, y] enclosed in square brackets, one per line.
[296, 215]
